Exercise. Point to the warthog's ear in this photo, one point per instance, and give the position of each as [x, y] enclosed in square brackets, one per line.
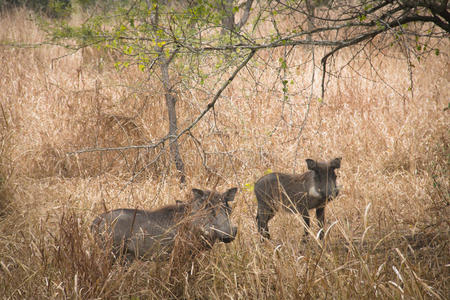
[230, 194]
[198, 193]
[312, 165]
[336, 163]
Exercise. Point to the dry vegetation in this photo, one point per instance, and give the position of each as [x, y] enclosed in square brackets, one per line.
[390, 237]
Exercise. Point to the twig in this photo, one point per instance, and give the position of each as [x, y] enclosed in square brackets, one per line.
[98, 149]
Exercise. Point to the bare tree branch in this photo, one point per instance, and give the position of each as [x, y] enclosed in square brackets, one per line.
[217, 95]
[174, 138]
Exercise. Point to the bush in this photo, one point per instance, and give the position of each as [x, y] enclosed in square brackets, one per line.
[51, 8]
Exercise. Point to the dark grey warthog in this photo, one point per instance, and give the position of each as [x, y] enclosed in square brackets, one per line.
[297, 193]
[146, 234]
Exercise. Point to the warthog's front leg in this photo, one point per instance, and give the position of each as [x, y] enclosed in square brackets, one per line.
[320, 214]
[262, 219]
[305, 215]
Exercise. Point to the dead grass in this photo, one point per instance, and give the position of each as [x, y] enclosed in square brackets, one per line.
[389, 230]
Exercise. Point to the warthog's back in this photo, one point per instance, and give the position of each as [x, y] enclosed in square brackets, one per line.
[138, 232]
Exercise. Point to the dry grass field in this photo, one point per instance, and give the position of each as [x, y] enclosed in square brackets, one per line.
[388, 232]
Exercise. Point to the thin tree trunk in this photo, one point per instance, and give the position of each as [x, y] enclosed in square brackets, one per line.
[170, 98]
[228, 19]
[228, 16]
[171, 101]
[245, 15]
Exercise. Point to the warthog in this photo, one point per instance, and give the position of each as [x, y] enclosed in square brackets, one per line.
[297, 193]
[143, 234]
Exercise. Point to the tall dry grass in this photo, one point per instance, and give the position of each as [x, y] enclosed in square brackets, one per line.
[388, 230]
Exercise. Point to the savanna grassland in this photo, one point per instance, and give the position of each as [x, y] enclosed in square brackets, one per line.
[388, 229]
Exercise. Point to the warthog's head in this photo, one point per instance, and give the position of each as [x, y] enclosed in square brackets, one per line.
[324, 179]
[211, 212]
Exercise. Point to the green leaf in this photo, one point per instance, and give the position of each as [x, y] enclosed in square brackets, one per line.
[283, 63]
[128, 50]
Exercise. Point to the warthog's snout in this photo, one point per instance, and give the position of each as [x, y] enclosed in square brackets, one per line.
[333, 192]
[228, 238]
[337, 190]
[225, 236]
